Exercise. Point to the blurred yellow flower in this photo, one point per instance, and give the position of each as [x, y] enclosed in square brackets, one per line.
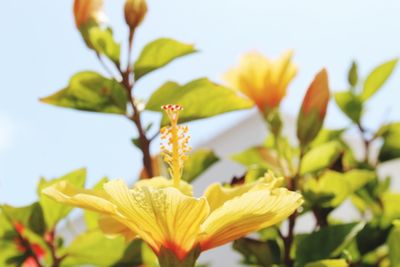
[135, 11]
[86, 11]
[166, 215]
[263, 80]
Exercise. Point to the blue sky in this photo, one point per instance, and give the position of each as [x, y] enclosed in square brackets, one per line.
[40, 49]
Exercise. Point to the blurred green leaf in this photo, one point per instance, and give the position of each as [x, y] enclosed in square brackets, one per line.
[328, 263]
[30, 217]
[321, 157]
[327, 135]
[94, 248]
[313, 109]
[371, 237]
[10, 256]
[91, 92]
[352, 76]
[260, 157]
[350, 104]
[149, 257]
[158, 54]
[390, 149]
[330, 190]
[91, 217]
[133, 255]
[200, 99]
[103, 43]
[326, 243]
[359, 178]
[377, 78]
[53, 211]
[391, 208]
[198, 162]
[394, 247]
[259, 253]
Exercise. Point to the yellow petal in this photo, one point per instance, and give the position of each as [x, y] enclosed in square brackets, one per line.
[112, 226]
[161, 182]
[161, 217]
[217, 194]
[66, 193]
[250, 212]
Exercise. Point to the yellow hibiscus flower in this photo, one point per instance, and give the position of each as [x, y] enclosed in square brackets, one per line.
[166, 215]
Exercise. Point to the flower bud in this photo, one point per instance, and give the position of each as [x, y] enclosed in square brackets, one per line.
[135, 11]
[86, 11]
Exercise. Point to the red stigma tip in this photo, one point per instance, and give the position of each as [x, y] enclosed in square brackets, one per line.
[172, 107]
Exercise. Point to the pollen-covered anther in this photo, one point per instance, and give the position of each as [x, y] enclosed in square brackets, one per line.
[175, 141]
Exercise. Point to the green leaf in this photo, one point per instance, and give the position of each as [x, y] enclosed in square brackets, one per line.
[326, 243]
[30, 217]
[257, 252]
[390, 149]
[391, 208]
[133, 255]
[10, 256]
[313, 109]
[149, 257]
[91, 92]
[359, 178]
[377, 78]
[350, 104]
[200, 99]
[260, 157]
[198, 162]
[158, 54]
[321, 157]
[53, 211]
[371, 237]
[353, 74]
[94, 248]
[328, 263]
[91, 217]
[394, 247]
[330, 190]
[103, 42]
[327, 135]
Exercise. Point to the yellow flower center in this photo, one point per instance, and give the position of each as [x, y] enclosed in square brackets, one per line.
[174, 145]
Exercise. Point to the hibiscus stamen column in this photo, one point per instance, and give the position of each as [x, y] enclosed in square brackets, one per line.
[175, 143]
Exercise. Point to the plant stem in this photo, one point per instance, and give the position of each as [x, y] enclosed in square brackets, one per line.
[288, 240]
[128, 83]
[366, 141]
[135, 117]
[28, 247]
[321, 217]
[50, 241]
